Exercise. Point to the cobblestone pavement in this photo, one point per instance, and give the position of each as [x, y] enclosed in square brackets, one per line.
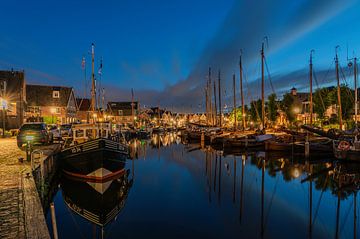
[11, 194]
[21, 213]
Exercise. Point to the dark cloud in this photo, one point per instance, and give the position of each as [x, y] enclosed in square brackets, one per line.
[245, 26]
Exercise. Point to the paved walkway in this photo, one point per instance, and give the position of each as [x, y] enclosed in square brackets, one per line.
[18, 196]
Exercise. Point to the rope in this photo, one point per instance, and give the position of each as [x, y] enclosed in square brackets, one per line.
[318, 204]
[271, 200]
[317, 86]
[271, 85]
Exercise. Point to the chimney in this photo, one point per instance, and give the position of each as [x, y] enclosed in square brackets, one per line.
[293, 91]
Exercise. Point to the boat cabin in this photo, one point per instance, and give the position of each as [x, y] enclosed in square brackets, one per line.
[84, 132]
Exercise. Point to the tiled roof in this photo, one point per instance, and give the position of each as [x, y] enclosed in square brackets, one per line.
[42, 95]
[83, 104]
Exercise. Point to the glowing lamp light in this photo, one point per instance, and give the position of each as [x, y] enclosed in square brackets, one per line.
[296, 110]
[3, 103]
[296, 173]
[94, 115]
[53, 110]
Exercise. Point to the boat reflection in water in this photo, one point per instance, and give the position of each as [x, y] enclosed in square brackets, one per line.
[194, 191]
[98, 203]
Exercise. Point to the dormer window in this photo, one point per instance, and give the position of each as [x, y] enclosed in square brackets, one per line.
[56, 94]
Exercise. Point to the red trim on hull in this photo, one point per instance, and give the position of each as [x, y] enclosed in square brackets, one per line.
[94, 179]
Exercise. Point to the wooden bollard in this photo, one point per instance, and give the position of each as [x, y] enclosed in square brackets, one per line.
[53, 220]
[202, 140]
[307, 148]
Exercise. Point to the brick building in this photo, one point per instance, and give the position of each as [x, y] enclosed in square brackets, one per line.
[51, 104]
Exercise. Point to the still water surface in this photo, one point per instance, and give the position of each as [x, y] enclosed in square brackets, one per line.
[174, 190]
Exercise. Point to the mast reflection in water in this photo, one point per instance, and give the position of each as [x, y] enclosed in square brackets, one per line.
[186, 191]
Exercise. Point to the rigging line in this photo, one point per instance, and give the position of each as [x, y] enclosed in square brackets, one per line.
[252, 101]
[271, 84]
[269, 76]
[318, 88]
[318, 204]
[346, 216]
[346, 83]
[271, 200]
[326, 74]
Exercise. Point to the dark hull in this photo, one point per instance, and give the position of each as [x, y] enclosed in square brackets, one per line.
[350, 155]
[96, 206]
[96, 160]
[299, 147]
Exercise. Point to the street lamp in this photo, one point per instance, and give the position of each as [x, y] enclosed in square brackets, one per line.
[4, 105]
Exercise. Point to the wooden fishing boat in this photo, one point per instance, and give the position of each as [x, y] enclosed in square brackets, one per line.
[94, 153]
[347, 150]
[98, 159]
[316, 146]
[246, 142]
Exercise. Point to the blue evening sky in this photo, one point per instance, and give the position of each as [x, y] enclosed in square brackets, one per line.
[166, 46]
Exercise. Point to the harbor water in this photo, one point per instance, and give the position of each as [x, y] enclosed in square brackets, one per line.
[176, 190]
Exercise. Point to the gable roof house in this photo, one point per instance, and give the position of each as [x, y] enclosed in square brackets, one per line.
[122, 111]
[51, 104]
[84, 109]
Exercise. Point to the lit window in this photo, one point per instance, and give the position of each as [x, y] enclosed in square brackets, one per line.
[58, 110]
[56, 94]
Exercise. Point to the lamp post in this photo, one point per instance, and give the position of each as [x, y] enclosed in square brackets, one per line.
[4, 107]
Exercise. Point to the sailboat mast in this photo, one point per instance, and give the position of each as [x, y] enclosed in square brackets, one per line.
[93, 90]
[338, 86]
[311, 89]
[262, 87]
[210, 99]
[356, 91]
[132, 107]
[235, 110]
[215, 106]
[219, 86]
[242, 94]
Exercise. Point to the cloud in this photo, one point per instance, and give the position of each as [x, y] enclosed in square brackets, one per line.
[245, 26]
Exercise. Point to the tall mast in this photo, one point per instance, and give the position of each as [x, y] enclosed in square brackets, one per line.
[311, 89]
[215, 106]
[132, 106]
[235, 111]
[210, 98]
[338, 86]
[207, 102]
[219, 86]
[262, 87]
[356, 91]
[93, 90]
[242, 93]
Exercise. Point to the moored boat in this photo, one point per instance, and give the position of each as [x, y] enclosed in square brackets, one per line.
[99, 159]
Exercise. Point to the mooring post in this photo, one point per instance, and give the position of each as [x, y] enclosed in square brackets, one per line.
[28, 151]
[53, 220]
[202, 139]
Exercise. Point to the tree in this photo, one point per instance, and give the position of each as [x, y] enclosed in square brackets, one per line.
[287, 106]
[322, 99]
[272, 107]
[255, 110]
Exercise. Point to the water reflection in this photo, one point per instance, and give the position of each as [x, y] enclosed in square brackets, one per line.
[188, 191]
